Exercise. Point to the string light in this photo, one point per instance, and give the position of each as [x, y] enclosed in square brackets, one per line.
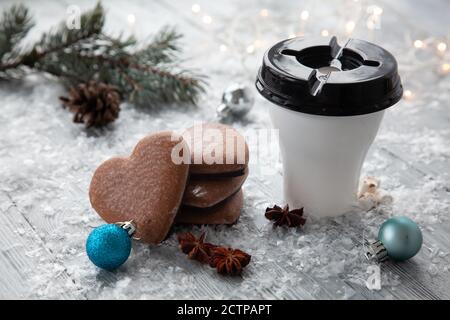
[442, 46]
[375, 10]
[378, 11]
[304, 15]
[419, 44]
[350, 26]
[257, 43]
[207, 19]
[131, 18]
[195, 8]
[407, 94]
[264, 13]
[445, 67]
[371, 25]
[373, 21]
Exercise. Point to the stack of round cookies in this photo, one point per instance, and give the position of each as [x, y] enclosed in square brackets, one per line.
[219, 167]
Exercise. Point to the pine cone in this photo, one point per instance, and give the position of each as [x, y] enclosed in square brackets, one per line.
[94, 104]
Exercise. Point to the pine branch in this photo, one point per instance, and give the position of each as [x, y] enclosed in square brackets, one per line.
[147, 76]
[59, 39]
[141, 82]
[161, 86]
[51, 44]
[14, 26]
[173, 86]
[162, 49]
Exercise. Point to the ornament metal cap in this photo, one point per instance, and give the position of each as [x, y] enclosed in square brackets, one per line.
[128, 226]
[376, 251]
[223, 111]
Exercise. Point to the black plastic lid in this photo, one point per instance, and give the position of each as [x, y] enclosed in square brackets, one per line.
[318, 76]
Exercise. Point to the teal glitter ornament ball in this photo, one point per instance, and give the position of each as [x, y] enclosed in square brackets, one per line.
[401, 237]
[108, 246]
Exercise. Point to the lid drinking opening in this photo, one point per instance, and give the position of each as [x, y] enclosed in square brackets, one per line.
[322, 56]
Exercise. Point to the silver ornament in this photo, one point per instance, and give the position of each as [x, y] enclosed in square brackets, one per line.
[237, 101]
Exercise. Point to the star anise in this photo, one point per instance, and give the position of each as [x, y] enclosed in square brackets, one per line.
[195, 248]
[229, 261]
[284, 217]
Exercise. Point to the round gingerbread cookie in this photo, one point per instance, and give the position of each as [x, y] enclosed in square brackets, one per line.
[208, 190]
[225, 212]
[216, 149]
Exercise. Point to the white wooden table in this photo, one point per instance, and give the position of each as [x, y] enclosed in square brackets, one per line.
[46, 163]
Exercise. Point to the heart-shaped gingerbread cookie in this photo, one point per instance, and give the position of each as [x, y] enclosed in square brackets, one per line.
[146, 187]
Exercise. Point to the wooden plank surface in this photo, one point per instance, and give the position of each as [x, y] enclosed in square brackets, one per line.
[20, 258]
[42, 253]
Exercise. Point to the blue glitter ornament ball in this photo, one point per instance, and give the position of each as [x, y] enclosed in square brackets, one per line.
[108, 246]
[401, 237]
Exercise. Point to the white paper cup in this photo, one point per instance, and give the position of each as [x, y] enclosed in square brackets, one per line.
[322, 158]
[327, 101]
